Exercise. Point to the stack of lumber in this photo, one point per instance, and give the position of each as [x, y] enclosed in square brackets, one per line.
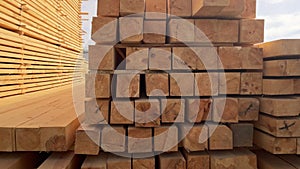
[41, 121]
[144, 95]
[40, 45]
[237, 159]
[278, 128]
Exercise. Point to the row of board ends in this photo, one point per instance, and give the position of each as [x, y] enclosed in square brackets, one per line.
[157, 9]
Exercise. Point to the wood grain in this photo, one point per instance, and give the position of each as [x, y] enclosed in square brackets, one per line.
[248, 109]
[166, 139]
[278, 87]
[157, 84]
[137, 58]
[280, 107]
[182, 84]
[275, 145]
[128, 7]
[174, 110]
[139, 140]
[109, 8]
[251, 31]
[221, 137]
[147, 113]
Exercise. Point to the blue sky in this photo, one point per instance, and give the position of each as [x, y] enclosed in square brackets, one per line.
[282, 18]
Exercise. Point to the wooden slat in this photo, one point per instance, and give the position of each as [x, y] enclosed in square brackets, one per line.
[279, 127]
[275, 145]
[268, 161]
[66, 160]
[283, 68]
[278, 48]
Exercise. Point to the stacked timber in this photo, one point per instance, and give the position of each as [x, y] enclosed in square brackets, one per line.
[155, 80]
[277, 130]
[40, 45]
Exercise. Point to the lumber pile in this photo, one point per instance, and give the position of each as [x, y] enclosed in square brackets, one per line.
[40, 45]
[42, 121]
[155, 80]
[277, 130]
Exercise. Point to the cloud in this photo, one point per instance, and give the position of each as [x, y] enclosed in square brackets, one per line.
[273, 1]
[282, 26]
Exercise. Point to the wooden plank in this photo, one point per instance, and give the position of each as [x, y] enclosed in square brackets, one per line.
[52, 131]
[196, 160]
[156, 9]
[194, 58]
[137, 58]
[172, 160]
[104, 30]
[268, 161]
[213, 30]
[66, 160]
[222, 159]
[280, 107]
[282, 68]
[145, 163]
[174, 110]
[155, 31]
[160, 58]
[98, 85]
[128, 7]
[206, 84]
[128, 85]
[113, 139]
[19, 160]
[139, 140]
[131, 29]
[251, 31]
[251, 83]
[234, 9]
[97, 111]
[166, 139]
[298, 146]
[182, 84]
[244, 158]
[108, 8]
[230, 57]
[278, 48]
[202, 8]
[195, 138]
[275, 145]
[184, 59]
[147, 113]
[95, 162]
[249, 9]
[242, 134]
[297, 86]
[221, 137]
[279, 127]
[225, 110]
[248, 109]
[116, 162]
[199, 110]
[181, 30]
[157, 84]
[231, 84]
[278, 87]
[87, 140]
[101, 57]
[291, 159]
[180, 8]
[241, 57]
[122, 112]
